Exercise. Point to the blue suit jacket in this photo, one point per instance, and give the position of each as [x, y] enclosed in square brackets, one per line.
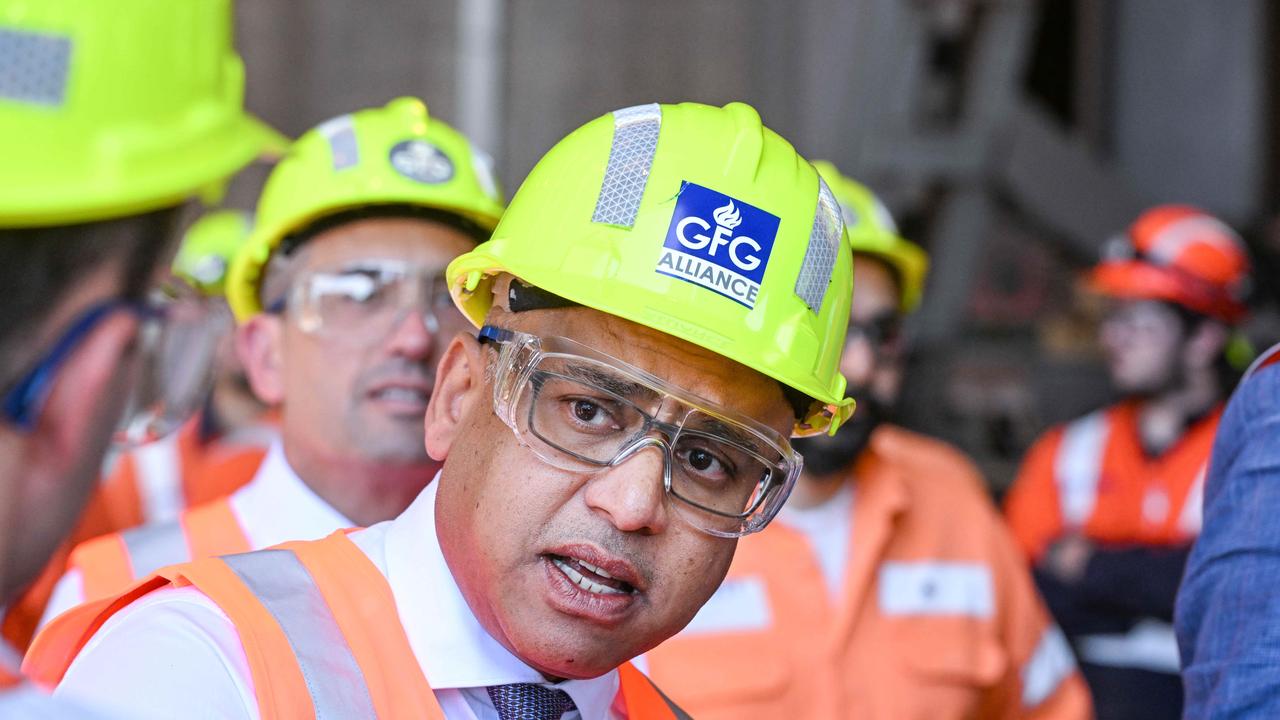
[1228, 609]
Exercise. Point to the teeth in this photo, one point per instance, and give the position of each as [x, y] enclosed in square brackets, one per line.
[582, 582]
[594, 569]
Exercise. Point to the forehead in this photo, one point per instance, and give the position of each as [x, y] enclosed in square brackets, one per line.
[692, 368]
[413, 240]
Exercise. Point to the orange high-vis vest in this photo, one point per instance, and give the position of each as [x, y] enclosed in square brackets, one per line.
[938, 618]
[146, 485]
[1092, 477]
[154, 482]
[318, 611]
[109, 564]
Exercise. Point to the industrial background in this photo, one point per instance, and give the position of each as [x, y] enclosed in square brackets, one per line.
[1011, 138]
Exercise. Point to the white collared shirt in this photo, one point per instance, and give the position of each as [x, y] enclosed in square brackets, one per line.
[175, 650]
[27, 702]
[274, 507]
[829, 529]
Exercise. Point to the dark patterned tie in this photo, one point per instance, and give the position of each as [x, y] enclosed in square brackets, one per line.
[527, 701]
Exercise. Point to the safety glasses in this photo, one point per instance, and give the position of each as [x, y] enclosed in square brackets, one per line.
[583, 411]
[178, 333]
[363, 302]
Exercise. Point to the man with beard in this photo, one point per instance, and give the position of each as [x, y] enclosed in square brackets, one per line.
[888, 588]
[1107, 506]
[343, 314]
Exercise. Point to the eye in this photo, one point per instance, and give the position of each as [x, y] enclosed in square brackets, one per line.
[590, 414]
[706, 464]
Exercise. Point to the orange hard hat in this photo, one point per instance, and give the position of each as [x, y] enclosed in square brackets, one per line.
[1182, 255]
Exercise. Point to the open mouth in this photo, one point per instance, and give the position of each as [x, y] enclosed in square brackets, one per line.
[589, 577]
[402, 394]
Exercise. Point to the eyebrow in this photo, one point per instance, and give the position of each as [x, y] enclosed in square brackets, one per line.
[614, 384]
[720, 428]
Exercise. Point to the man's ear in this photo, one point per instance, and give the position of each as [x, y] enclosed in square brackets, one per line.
[258, 343]
[459, 385]
[85, 401]
[1207, 342]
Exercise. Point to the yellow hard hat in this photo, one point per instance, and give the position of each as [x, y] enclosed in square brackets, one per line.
[694, 220]
[872, 231]
[208, 247]
[393, 155]
[117, 108]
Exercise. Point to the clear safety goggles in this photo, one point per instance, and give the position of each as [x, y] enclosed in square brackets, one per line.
[580, 410]
[363, 302]
[178, 334]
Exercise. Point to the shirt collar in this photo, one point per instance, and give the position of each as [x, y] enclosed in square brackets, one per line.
[277, 506]
[452, 647]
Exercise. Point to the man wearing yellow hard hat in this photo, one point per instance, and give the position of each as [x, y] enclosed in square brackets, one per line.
[96, 169]
[887, 587]
[661, 308]
[344, 314]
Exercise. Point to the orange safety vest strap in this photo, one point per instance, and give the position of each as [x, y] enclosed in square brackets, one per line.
[361, 603]
[104, 566]
[213, 529]
[644, 701]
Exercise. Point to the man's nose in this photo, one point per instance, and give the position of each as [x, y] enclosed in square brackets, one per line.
[413, 333]
[631, 494]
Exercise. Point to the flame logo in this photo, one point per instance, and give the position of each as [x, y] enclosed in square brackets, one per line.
[727, 216]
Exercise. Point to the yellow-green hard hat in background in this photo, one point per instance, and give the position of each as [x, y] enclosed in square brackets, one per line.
[115, 108]
[872, 231]
[392, 155]
[694, 220]
[208, 247]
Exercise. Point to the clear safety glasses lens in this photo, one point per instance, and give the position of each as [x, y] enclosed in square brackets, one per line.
[364, 303]
[177, 342]
[586, 413]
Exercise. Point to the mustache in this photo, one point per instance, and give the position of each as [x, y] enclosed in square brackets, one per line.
[397, 368]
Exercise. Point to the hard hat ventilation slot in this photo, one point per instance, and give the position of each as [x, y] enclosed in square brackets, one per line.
[635, 138]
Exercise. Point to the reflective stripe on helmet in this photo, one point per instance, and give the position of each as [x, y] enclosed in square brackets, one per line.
[34, 67]
[635, 139]
[824, 248]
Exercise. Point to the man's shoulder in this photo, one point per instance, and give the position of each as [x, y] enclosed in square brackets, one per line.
[26, 702]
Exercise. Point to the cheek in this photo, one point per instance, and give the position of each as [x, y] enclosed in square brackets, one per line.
[695, 564]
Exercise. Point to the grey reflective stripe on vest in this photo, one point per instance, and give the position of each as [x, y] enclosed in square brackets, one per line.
[152, 547]
[280, 581]
[824, 248]
[635, 139]
[34, 66]
[1078, 467]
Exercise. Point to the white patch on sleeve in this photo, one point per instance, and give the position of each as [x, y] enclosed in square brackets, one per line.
[738, 605]
[936, 588]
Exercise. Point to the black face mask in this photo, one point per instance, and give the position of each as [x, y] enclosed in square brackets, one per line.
[826, 456]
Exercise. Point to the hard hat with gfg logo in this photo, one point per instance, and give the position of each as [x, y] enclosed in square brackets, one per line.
[694, 220]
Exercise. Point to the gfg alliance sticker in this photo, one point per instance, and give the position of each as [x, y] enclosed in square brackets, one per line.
[719, 243]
